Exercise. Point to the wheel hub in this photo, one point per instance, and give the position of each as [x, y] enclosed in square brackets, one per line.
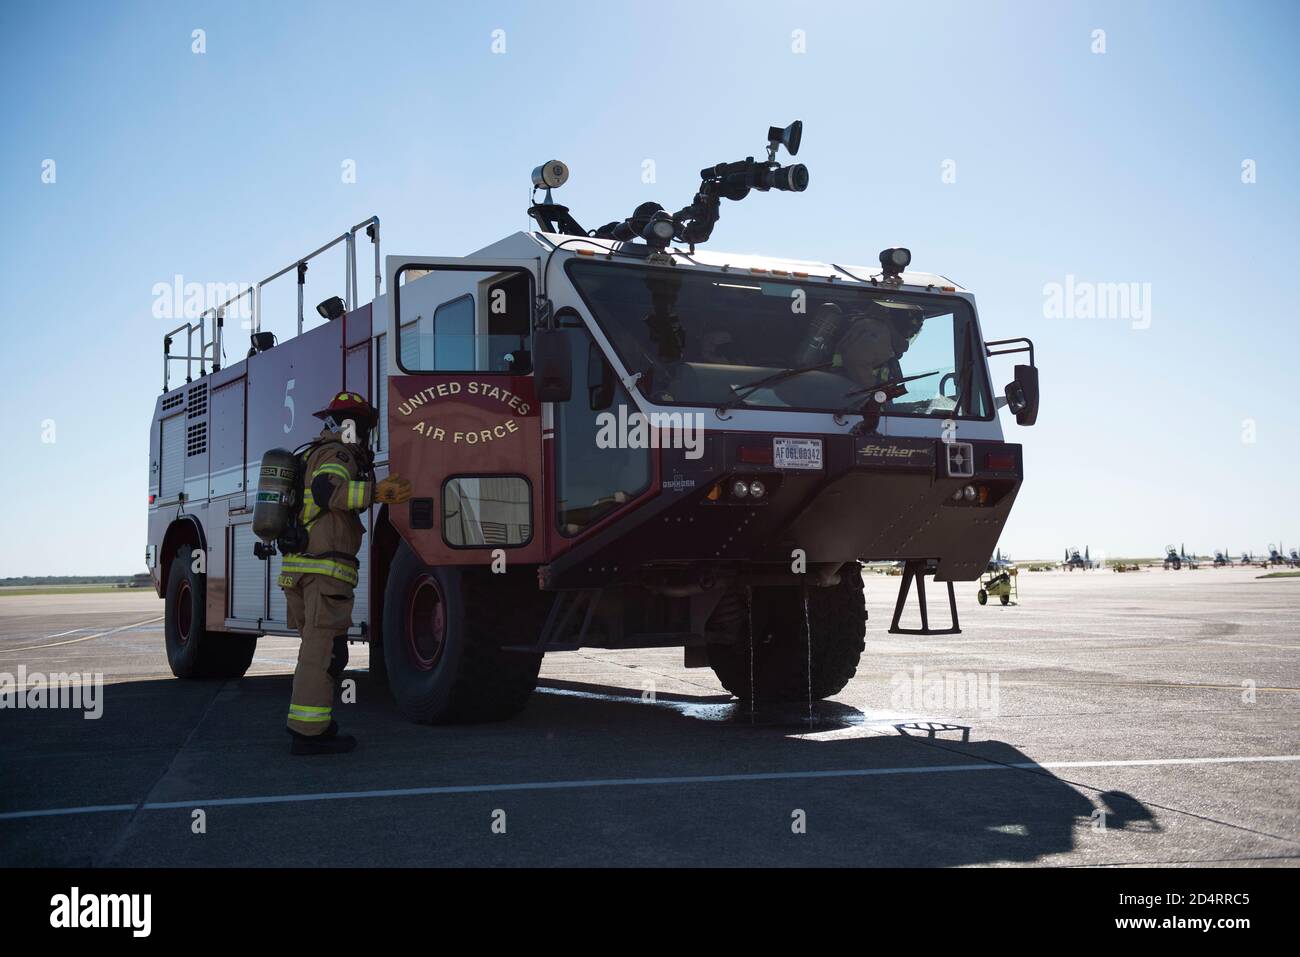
[426, 623]
[184, 612]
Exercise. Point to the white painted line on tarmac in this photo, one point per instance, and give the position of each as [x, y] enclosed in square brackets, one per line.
[70, 631]
[60, 811]
[73, 641]
[629, 782]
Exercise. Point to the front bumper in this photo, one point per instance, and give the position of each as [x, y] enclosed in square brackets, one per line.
[875, 498]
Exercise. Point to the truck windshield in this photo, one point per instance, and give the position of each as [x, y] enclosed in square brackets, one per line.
[706, 339]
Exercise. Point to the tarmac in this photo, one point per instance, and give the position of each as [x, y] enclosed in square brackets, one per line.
[1146, 718]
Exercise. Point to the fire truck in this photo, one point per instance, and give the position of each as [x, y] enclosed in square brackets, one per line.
[615, 439]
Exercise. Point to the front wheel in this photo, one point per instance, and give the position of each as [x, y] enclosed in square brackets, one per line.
[775, 665]
[982, 597]
[442, 635]
[192, 650]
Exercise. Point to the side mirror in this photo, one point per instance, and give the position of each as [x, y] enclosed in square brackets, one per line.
[600, 380]
[1022, 395]
[552, 365]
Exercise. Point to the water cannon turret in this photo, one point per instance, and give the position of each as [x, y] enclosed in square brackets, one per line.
[694, 223]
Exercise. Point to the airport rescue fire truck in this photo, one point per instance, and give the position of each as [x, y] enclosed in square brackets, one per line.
[615, 439]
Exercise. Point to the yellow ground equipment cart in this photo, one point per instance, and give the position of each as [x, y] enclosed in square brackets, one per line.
[999, 584]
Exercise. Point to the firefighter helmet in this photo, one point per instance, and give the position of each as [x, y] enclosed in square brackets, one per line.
[349, 405]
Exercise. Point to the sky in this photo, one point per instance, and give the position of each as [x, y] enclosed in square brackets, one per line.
[1008, 145]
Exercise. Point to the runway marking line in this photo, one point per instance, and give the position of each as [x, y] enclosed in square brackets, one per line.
[629, 782]
[73, 641]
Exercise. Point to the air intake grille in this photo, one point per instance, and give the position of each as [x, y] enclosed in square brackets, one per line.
[196, 439]
[173, 400]
[198, 402]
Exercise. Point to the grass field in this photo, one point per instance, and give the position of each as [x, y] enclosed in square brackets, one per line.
[13, 590]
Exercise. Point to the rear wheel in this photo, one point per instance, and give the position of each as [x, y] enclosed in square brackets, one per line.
[982, 597]
[443, 630]
[781, 656]
[192, 650]
[1006, 599]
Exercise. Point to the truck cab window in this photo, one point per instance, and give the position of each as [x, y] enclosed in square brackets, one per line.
[592, 481]
[465, 321]
[699, 338]
[444, 341]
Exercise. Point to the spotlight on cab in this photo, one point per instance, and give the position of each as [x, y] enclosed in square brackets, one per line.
[550, 175]
[893, 261]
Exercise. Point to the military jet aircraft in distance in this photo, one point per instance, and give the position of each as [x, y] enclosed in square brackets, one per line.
[1222, 559]
[1276, 557]
[1177, 558]
[1074, 560]
[999, 563]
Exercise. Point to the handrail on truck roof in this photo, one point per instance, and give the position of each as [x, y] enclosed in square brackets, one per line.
[213, 344]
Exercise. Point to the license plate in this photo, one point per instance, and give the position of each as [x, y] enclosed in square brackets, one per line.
[797, 453]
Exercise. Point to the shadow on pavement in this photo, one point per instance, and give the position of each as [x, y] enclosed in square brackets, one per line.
[873, 793]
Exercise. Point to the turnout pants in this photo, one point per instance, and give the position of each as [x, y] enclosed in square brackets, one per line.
[320, 608]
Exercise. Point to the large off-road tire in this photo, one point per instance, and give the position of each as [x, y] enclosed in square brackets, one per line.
[192, 650]
[780, 667]
[444, 629]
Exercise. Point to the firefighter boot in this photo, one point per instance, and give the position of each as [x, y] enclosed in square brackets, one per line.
[328, 742]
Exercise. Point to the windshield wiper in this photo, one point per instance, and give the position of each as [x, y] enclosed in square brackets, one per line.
[749, 388]
[874, 407]
[892, 383]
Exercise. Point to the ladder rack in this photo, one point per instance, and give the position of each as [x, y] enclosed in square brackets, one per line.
[211, 321]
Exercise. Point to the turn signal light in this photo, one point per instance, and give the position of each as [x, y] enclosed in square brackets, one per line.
[754, 454]
[1000, 461]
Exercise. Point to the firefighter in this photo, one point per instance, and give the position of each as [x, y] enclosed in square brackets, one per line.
[872, 346]
[318, 582]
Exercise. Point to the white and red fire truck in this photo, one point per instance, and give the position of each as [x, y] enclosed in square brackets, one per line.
[615, 440]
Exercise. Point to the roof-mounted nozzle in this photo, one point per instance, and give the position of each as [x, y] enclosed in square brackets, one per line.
[694, 223]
